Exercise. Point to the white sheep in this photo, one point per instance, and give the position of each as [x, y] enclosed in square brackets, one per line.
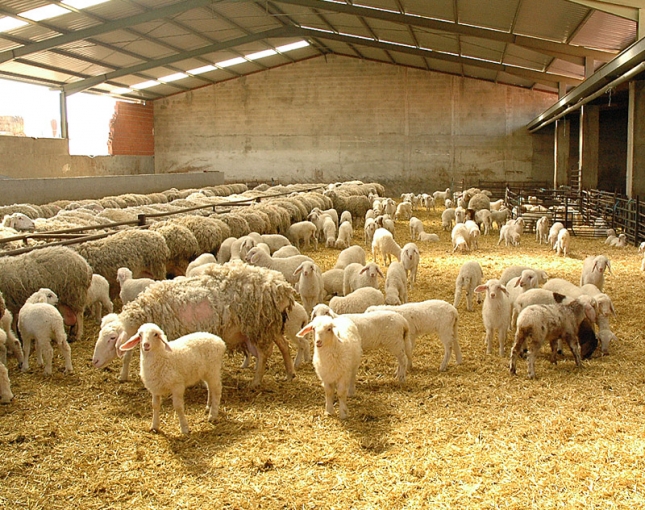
[500, 217]
[310, 285]
[131, 287]
[447, 218]
[243, 245]
[98, 297]
[542, 230]
[416, 228]
[368, 229]
[6, 395]
[287, 266]
[208, 258]
[428, 201]
[497, 204]
[284, 252]
[508, 235]
[386, 222]
[593, 270]
[611, 235]
[553, 233]
[357, 276]
[296, 319]
[403, 211]
[442, 195]
[383, 244]
[333, 282]
[18, 221]
[275, 241]
[303, 232]
[329, 231]
[345, 216]
[349, 255]
[171, 367]
[389, 207]
[514, 271]
[337, 356]
[345, 235]
[428, 238]
[460, 237]
[432, 316]
[39, 321]
[357, 301]
[483, 217]
[396, 284]
[562, 242]
[410, 257]
[460, 214]
[448, 204]
[474, 233]
[11, 342]
[619, 242]
[469, 277]
[496, 313]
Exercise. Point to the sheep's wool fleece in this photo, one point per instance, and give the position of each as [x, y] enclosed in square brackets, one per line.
[253, 298]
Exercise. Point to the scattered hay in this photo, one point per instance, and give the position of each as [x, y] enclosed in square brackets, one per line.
[472, 437]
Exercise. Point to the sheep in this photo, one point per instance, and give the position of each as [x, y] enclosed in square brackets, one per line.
[131, 287]
[98, 297]
[386, 222]
[39, 321]
[460, 215]
[448, 204]
[469, 277]
[204, 258]
[508, 235]
[384, 244]
[496, 313]
[520, 284]
[410, 257]
[303, 231]
[428, 238]
[297, 318]
[368, 229]
[396, 285]
[611, 235]
[389, 207]
[442, 195]
[553, 233]
[6, 395]
[479, 201]
[447, 218]
[593, 270]
[182, 245]
[357, 276]
[345, 216]
[403, 211]
[496, 205]
[18, 221]
[428, 201]
[536, 297]
[483, 217]
[223, 254]
[349, 255]
[287, 266]
[242, 304]
[515, 271]
[538, 324]
[241, 246]
[385, 330]
[542, 230]
[357, 301]
[58, 268]
[432, 316]
[329, 232]
[171, 367]
[345, 235]
[474, 233]
[619, 242]
[460, 237]
[9, 338]
[606, 336]
[562, 242]
[310, 286]
[416, 227]
[333, 282]
[337, 356]
[275, 241]
[499, 217]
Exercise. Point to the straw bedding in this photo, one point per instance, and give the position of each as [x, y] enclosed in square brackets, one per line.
[472, 437]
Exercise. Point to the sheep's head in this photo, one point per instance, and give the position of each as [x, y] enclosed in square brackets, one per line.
[601, 263]
[323, 329]
[305, 269]
[320, 310]
[528, 280]
[123, 274]
[106, 348]
[151, 337]
[493, 289]
[372, 271]
[44, 295]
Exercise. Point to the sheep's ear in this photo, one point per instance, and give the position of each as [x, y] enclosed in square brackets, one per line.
[364, 269]
[590, 312]
[613, 310]
[481, 288]
[559, 297]
[129, 344]
[595, 264]
[166, 344]
[378, 270]
[503, 289]
[517, 282]
[304, 331]
[609, 268]
[298, 270]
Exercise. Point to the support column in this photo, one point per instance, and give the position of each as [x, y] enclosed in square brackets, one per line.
[561, 153]
[635, 184]
[63, 115]
[589, 141]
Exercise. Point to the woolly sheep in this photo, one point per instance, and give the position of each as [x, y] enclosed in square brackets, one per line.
[349, 255]
[18, 221]
[396, 285]
[515, 271]
[619, 242]
[538, 324]
[357, 276]
[39, 321]
[469, 277]
[428, 238]
[98, 297]
[496, 313]
[357, 301]
[593, 270]
[410, 257]
[287, 266]
[542, 230]
[182, 246]
[310, 285]
[383, 244]
[297, 318]
[369, 229]
[131, 287]
[10, 341]
[204, 258]
[345, 235]
[286, 251]
[333, 282]
[479, 201]
[460, 237]
[432, 316]
[337, 356]
[562, 242]
[416, 228]
[58, 268]
[171, 367]
[303, 232]
[403, 211]
[553, 233]
[242, 304]
[6, 395]
[508, 235]
[357, 205]
[447, 218]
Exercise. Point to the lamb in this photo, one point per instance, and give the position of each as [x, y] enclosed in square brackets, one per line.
[39, 321]
[223, 255]
[303, 231]
[98, 297]
[428, 201]
[329, 232]
[369, 229]
[403, 211]
[553, 233]
[297, 318]
[469, 277]
[497, 204]
[131, 287]
[515, 271]
[275, 241]
[499, 217]
[410, 257]
[333, 282]
[9, 340]
[5, 386]
[284, 252]
[345, 235]
[428, 238]
[385, 330]
[619, 242]
[389, 207]
[337, 356]
[310, 286]
[538, 324]
[542, 230]
[287, 266]
[536, 297]
[460, 237]
[593, 270]
[416, 228]
[243, 304]
[447, 218]
[171, 367]
[442, 195]
[241, 246]
[562, 242]
[386, 222]
[483, 217]
[345, 216]
[349, 255]
[384, 244]
[508, 235]
[474, 233]
[611, 235]
[396, 285]
[460, 214]
[496, 313]
[357, 276]
[357, 301]
[432, 316]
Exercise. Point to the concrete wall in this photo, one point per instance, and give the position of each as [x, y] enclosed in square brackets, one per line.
[336, 118]
[24, 157]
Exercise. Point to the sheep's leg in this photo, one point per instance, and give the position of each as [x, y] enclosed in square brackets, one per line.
[489, 340]
[341, 390]
[178, 404]
[3, 354]
[66, 353]
[457, 296]
[125, 368]
[214, 385]
[15, 347]
[156, 407]
[26, 350]
[469, 300]
[501, 336]
[447, 351]
[45, 353]
[408, 346]
[574, 345]
[518, 347]
[403, 364]
[329, 398]
[247, 360]
[283, 345]
[260, 366]
[455, 343]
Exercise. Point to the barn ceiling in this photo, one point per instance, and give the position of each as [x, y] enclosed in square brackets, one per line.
[147, 49]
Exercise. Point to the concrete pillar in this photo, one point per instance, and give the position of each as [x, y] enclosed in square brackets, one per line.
[63, 115]
[561, 152]
[589, 140]
[636, 140]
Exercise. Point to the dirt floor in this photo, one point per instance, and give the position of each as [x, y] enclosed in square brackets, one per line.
[471, 437]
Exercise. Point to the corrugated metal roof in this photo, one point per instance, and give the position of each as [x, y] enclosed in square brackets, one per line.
[526, 43]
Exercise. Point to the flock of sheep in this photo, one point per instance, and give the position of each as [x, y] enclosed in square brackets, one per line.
[202, 283]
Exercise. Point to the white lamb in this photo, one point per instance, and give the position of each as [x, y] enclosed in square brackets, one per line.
[469, 277]
[474, 233]
[553, 233]
[428, 238]
[345, 216]
[98, 297]
[345, 235]
[542, 230]
[11, 342]
[386, 222]
[303, 232]
[508, 235]
[432, 316]
[329, 232]
[131, 287]
[593, 270]
[447, 218]
[496, 313]
[357, 301]
[514, 271]
[369, 229]
[39, 321]
[442, 195]
[483, 218]
[611, 235]
[357, 276]
[497, 204]
[562, 242]
[208, 258]
[383, 244]
[416, 228]
[285, 251]
[396, 285]
[619, 242]
[275, 241]
[310, 285]
[287, 266]
[5, 386]
[403, 211]
[349, 255]
[337, 356]
[460, 237]
[171, 367]
[390, 207]
[296, 319]
[410, 258]
[460, 214]
[333, 282]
